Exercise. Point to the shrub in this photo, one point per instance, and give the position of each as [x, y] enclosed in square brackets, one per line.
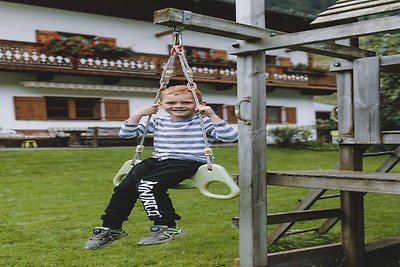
[289, 135]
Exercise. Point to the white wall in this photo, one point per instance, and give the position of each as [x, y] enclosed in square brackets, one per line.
[19, 22]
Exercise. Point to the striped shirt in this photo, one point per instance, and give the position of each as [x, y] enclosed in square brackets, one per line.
[181, 139]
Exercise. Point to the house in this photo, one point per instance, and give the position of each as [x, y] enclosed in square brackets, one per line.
[45, 95]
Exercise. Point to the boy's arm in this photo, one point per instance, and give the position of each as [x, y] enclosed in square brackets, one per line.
[131, 128]
[218, 128]
[209, 112]
[144, 111]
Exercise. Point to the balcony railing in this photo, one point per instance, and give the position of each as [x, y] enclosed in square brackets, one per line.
[24, 56]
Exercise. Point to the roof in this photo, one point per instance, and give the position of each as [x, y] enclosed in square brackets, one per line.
[352, 9]
[276, 19]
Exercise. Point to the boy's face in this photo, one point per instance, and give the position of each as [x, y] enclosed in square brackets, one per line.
[180, 107]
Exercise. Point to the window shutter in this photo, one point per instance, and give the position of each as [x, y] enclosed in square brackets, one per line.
[116, 109]
[30, 108]
[231, 114]
[291, 116]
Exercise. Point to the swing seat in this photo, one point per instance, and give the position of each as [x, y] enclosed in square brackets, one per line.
[200, 180]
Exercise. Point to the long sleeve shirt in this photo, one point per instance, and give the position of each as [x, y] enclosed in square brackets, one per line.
[181, 139]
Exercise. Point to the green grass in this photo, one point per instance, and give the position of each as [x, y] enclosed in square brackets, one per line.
[51, 199]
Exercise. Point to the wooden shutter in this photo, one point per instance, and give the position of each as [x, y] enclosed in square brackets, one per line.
[30, 108]
[116, 109]
[231, 114]
[291, 116]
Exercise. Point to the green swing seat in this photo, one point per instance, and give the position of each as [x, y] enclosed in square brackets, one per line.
[200, 180]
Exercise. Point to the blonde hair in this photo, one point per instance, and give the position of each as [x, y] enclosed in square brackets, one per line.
[179, 90]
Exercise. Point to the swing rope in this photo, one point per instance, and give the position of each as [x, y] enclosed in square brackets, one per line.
[177, 50]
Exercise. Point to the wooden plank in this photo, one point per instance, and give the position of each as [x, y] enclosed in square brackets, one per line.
[347, 3]
[366, 82]
[330, 255]
[351, 30]
[305, 215]
[200, 23]
[325, 255]
[252, 142]
[336, 9]
[356, 13]
[356, 181]
[386, 252]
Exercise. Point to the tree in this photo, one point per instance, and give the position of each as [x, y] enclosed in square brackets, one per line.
[387, 44]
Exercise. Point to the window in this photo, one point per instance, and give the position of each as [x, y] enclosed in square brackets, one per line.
[69, 108]
[218, 109]
[273, 114]
[73, 108]
[278, 114]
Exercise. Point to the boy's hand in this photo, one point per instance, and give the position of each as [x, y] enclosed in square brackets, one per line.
[209, 112]
[205, 110]
[148, 110]
[144, 111]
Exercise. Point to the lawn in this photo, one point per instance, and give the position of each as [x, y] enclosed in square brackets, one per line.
[51, 200]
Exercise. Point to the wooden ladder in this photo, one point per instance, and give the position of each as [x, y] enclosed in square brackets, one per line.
[299, 213]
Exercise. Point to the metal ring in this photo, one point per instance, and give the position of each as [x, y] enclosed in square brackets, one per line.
[237, 110]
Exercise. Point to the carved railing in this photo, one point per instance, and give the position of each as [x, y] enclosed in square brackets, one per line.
[26, 56]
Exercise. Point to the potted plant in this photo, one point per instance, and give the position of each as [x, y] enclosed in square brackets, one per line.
[76, 47]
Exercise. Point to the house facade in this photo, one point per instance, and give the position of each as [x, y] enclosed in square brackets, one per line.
[45, 93]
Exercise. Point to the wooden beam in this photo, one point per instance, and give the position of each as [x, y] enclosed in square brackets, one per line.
[351, 30]
[384, 61]
[388, 138]
[356, 181]
[201, 23]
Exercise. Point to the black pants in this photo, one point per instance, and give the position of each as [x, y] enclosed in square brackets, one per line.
[149, 181]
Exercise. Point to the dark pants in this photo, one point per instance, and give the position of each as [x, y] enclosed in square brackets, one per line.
[149, 181]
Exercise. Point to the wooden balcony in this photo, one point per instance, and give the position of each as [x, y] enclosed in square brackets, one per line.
[27, 57]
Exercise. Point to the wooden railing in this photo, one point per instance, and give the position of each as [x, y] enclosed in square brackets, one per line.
[25, 56]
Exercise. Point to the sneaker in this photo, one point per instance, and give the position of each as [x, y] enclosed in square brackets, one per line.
[103, 236]
[161, 234]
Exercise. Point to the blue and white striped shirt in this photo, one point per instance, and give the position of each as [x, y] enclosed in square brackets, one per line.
[181, 139]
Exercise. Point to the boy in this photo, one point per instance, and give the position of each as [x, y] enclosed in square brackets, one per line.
[178, 146]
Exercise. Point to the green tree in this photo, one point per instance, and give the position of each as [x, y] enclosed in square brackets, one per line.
[387, 44]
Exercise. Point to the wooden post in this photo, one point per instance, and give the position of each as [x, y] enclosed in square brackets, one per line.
[350, 159]
[252, 144]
